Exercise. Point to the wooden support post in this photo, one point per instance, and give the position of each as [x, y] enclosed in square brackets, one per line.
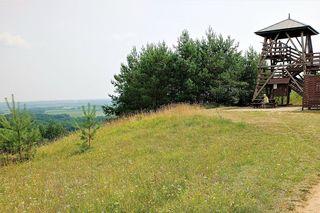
[304, 66]
[261, 63]
[306, 45]
[310, 49]
[310, 44]
[299, 42]
[303, 54]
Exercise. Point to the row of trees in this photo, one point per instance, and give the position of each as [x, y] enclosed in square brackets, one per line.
[210, 70]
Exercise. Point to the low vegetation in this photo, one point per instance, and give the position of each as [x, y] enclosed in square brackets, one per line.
[183, 159]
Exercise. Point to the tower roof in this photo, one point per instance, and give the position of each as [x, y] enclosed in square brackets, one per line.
[290, 26]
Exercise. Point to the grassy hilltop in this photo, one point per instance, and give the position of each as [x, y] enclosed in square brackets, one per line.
[179, 159]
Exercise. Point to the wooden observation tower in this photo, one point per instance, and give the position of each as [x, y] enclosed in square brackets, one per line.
[287, 62]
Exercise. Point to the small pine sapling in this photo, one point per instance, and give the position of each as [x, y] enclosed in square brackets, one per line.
[88, 126]
[19, 133]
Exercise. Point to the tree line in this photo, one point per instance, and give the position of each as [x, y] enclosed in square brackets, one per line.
[211, 70]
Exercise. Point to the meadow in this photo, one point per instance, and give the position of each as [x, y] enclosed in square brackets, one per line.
[73, 112]
[180, 159]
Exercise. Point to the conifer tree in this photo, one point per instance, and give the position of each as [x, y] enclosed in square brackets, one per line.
[88, 126]
[19, 133]
[211, 70]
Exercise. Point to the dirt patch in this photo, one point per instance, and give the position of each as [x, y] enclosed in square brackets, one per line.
[312, 204]
[277, 109]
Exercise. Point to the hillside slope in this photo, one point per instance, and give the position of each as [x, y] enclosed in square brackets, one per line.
[180, 159]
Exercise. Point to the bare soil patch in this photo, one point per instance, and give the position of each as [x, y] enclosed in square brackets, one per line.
[312, 204]
[277, 109]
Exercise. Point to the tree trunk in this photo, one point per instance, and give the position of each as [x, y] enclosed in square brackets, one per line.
[20, 153]
[19, 144]
[89, 137]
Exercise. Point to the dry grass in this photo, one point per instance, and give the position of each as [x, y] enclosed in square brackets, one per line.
[180, 159]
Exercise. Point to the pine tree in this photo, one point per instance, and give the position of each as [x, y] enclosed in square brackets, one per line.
[88, 126]
[19, 133]
[211, 70]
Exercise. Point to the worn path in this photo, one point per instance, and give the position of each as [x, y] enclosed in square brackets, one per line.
[312, 204]
[277, 109]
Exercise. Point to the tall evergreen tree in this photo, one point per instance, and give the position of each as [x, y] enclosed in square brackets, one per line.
[143, 83]
[249, 75]
[188, 56]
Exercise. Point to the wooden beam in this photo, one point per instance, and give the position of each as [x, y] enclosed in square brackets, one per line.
[303, 54]
[287, 42]
[306, 45]
[294, 80]
[310, 44]
[261, 62]
[284, 65]
[265, 83]
[299, 42]
[302, 42]
[275, 39]
[293, 43]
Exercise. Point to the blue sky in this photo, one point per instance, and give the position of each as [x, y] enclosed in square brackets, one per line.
[70, 49]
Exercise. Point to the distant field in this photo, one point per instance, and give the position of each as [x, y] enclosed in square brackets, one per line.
[73, 112]
[185, 159]
[72, 107]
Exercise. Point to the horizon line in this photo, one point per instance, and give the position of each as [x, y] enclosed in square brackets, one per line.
[55, 100]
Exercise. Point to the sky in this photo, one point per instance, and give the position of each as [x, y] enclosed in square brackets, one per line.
[71, 49]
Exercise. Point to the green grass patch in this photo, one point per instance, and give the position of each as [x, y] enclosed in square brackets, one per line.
[295, 99]
[73, 112]
[180, 160]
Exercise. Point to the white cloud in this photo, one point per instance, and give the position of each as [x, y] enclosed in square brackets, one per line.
[7, 39]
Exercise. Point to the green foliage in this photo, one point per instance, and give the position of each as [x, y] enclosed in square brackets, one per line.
[64, 119]
[249, 76]
[295, 98]
[88, 126]
[52, 130]
[143, 83]
[19, 133]
[213, 67]
[210, 71]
